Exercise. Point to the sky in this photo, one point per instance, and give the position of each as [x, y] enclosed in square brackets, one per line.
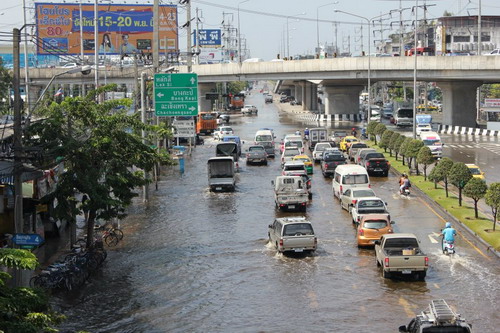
[264, 22]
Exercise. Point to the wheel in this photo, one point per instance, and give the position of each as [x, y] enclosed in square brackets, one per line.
[111, 239]
[386, 275]
[386, 173]
[421, 276]
[118, 233]
[310, 196]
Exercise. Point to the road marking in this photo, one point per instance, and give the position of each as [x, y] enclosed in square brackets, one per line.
[313, 300]
[406, 306]
[442, 219]
[433, 240]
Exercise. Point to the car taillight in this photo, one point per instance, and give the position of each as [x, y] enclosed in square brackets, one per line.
[354, 201]
[426, 261]
[369, 185]
[361, 232]
[341, 189]
[367, 164]
[386, 262]
[281, 242]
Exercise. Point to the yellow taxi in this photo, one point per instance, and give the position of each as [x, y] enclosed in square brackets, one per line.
[307, 162]
[346, 142]
[475, 171]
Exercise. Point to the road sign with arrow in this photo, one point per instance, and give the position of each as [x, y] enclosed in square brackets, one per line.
[176, 94]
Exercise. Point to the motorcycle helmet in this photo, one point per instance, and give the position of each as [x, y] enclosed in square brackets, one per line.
[448, 225]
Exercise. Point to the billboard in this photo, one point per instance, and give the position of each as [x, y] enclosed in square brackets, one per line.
[208, 38]
[210, 56]
[123, 28]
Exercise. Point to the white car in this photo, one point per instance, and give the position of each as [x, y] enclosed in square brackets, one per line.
[288, 154]
[319, 149]
[249, 109]
[495, 52]
[350, 196]
[423, 128]
[368, 205]
[222, 131]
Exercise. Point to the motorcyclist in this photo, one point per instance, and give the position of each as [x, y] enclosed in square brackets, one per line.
[449, 233]
[306, 133]
[354, 132]
[297, 132]
[363, 133]
[404, 182]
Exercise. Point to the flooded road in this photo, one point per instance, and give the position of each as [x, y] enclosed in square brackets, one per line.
[196, 261]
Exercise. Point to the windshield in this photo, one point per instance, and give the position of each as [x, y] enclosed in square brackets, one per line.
[256, 149]
[374, 155]
[322, 147]
[432, 142]
[340, 134]
[291, 152]
[401, 243]
[264, 138]
[333, 157]
[267, 144]
[358, 145]
[208, 116]
[375, 224]
[298, 229]
[355, 179]
[293, 144]
[294, 167]
[371, 204]
[474, 171]
[405, 113]
[363, 193]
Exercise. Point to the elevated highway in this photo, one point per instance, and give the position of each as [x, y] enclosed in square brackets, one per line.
[342, 78]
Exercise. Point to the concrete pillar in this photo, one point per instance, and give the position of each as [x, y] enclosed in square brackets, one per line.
[341, 99]
[459, 103]
[309, 96]
[299, 89]
[203, 103]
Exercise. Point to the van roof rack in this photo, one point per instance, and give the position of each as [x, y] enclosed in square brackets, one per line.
[442, 312]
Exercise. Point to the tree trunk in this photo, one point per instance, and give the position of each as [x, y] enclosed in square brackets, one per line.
[495, 219]
[396, 156]
[403, 158]
[475, 208]
[90, 229]
[416, 167]
[459, 196]
[446, 186]
[425, 172]
[390, 152]
[435, 185]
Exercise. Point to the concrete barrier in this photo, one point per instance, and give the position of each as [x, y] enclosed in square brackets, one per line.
[447, 129]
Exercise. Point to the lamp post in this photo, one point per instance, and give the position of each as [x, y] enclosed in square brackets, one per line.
[415, 55]
[96, 43]
[317, 19]
[288, 34]
[368, 21]
[239, 31]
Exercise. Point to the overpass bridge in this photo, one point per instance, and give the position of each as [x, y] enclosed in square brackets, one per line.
[342, 79]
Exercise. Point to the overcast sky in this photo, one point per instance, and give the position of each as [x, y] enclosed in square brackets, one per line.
[263, 22]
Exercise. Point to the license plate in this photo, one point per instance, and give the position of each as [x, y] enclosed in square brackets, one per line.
[378, 169]
[298, 250]
[218, 188]
[406, 271]
[291, 206]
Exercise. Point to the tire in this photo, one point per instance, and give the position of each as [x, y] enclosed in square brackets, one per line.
[119, 233]
[421, 276]
[310, 196]
[385, 274]
[111, 239]
[386, 174]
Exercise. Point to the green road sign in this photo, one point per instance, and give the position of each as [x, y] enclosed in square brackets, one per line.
[176, 94]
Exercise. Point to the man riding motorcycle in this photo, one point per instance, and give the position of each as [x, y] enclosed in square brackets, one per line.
[404, 182]
[306, 133]
[448, 234]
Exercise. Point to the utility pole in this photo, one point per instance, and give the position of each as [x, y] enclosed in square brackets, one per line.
[83, 92]
[145, 188]
[197, 38]
[96, 43]
[26, 64]
[18, 149]
[188, 33]
[156, 36]
[479, 34]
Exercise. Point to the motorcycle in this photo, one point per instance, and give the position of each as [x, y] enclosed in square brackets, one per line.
[448, 247]
[405, 191]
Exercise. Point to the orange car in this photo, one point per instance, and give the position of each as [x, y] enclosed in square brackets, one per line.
[372, 227]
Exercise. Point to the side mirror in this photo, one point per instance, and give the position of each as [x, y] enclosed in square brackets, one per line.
[270, 226]
[377, 242]
[402, 329]
[386, 203]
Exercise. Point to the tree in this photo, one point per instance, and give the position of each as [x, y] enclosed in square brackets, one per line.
[441, 171]
[404, 148]
[102, 150]
[370, 130]
[392, 143]
[459, 176]
[397, 145]
[425, 158]
[492, 199]
[5, 82]
[379, 130]
[234, 87]
[385, 140]
[412, 152]
[475, 189]
[23, 309]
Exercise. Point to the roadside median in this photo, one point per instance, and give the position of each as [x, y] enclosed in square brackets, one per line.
[480, 227]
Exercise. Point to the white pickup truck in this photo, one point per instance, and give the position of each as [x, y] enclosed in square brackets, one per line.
[400, 254]
[249, 109]
[290, 193]
[369, 205]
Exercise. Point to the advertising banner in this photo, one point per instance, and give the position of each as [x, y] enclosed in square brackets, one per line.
[123, 28]
[208, 38]
[210, 55]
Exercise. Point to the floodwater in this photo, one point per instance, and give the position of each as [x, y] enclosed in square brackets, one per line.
[197, 261]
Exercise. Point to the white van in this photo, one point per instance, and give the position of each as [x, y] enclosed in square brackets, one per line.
[349, 176]
[433, 141]
[263, 135]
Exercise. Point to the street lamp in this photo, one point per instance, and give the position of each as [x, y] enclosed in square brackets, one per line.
[239, 31]
[288, 34]
[415, 54]
[317, 19]
[368, 21]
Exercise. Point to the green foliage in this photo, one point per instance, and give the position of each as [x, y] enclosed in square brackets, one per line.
[398, 143]
[18, 259]
[392, 142]
[234, 87]
[476, 189]
[441, 171]
[403, 149]
[380, 129]
[492, 199]
[370, 129]
[386, 139]
[459, 176]
[102, 150]
[425, 158]
[5, 82]
[414, 147]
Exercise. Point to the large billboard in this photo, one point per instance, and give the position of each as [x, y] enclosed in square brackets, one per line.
[123, 28]
[208, 37]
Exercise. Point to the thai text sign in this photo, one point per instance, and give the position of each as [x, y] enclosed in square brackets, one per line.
[176, 94]
[208, 37]
[123, 29]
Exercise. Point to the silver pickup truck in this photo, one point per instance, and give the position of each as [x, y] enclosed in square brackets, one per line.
[290, 193]
[292, 234]
[400, 254]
